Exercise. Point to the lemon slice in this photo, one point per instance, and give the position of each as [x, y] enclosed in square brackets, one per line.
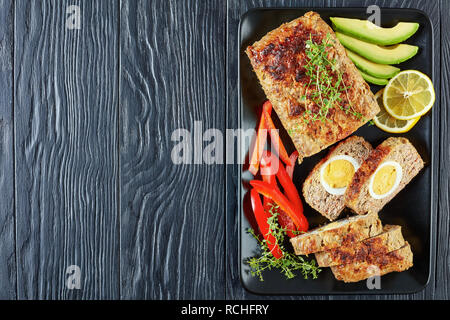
[388, 123]
[408, 95]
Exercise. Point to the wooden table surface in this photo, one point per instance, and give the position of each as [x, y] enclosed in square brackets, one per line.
[86, 177]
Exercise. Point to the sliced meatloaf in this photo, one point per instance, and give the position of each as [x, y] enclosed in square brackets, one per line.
[331, 205]
[358, 197]
[375, 265]
[391, 239]
[279, 60]
[338, 233]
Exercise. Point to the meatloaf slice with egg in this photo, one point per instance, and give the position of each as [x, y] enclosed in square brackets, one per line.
[391, 239]
[325, 186]
[280, 59]
[375, 265]
[339, 233]
[386, 171]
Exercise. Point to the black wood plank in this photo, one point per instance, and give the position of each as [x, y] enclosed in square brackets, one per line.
[236, 8]
[7, 234]
[443, 226]
[66, 149]
[172, 217]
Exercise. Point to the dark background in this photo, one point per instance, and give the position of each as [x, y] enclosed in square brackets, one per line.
[86, 176]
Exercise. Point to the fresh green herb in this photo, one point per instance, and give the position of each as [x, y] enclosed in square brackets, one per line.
[287, 264]
[326, 84]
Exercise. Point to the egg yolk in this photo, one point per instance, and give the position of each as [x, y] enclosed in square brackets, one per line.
[339, 173]
[384, 180]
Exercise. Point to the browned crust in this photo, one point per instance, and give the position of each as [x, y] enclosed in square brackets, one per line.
[345, 232]
[366, 170]
[395, 261]
[379, 245]
[397, 149]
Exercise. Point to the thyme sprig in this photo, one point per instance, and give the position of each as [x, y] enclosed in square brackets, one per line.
[326, 84]
[288, 264]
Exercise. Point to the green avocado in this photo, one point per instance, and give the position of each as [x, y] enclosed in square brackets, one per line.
[373, 80]
[368, 31]
[374, 69]
[379, 54]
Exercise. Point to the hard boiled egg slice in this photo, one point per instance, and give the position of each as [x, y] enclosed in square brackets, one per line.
[385, 180]
[337, 173]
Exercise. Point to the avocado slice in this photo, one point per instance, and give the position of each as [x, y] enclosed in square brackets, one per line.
[374, 69]
[368, 31]
[373, 80]
[375, 53]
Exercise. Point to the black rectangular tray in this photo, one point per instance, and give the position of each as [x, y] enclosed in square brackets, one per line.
[412, 208]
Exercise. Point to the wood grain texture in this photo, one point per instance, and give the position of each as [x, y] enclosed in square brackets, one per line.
[7, 223]
[66, 154]
[172, 216]
[234, 289]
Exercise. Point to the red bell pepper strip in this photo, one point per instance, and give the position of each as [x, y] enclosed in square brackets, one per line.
[289, 189]
[258, 149]
[267, 106]
[260, 139]
[261, 218]
[267, 190]
[269, 177]
[276, 140]
[268, 168]
[290, 168]
[286, 223]
[285, 180]
[283, 219]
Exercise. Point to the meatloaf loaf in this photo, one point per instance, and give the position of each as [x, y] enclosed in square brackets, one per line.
[343, 232]
[375, 265]
[391, 239]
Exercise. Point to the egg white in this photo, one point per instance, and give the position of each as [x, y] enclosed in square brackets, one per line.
[398, 178]
[326, 186]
